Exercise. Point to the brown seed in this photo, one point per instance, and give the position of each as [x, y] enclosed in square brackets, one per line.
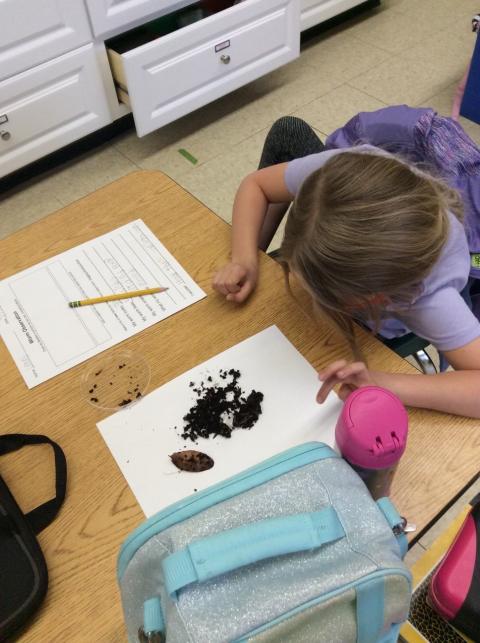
[192, 460]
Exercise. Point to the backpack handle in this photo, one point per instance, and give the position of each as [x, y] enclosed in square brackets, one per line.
[41, 516]
[228, 550]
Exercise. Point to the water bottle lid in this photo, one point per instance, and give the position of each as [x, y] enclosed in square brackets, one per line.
[372, 429]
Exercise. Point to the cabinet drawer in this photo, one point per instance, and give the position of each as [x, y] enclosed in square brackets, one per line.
[170, 76]
[50, 106]
[110, 16]
[316, 11]
[33, 31]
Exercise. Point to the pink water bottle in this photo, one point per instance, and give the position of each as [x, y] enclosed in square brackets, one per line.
[371, 434]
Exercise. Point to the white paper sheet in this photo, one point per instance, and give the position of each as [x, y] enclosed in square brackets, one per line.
[142, 437]
[46, 337]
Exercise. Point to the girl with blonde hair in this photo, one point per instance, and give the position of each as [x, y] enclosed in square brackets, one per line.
[373, 238]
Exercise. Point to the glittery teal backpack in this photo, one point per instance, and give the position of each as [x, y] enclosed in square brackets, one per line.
[293, 549]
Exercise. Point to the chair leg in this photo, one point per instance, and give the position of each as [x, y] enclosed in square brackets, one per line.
[425, 362]
[274, 254]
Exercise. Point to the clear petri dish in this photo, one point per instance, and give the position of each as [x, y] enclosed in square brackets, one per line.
[116, 381]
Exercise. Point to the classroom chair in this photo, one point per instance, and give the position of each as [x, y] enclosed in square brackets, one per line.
[412, 346]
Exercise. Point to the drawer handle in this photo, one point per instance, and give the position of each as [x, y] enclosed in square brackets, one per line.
[225, 58]
[5, 135]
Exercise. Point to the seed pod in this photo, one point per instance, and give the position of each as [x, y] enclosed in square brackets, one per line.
[192, 460]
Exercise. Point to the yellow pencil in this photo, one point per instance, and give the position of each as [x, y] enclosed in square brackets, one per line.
[120, 295]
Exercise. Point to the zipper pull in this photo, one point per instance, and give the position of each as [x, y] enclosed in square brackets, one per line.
[153, 629]
[150, 637]
[404, 527]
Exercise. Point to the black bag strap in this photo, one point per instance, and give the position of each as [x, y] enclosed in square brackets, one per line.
[41, 516]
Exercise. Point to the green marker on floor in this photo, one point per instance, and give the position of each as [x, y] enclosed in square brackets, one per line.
[188, 156]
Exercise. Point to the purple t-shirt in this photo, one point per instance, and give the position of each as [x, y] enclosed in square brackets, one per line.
[439, 314]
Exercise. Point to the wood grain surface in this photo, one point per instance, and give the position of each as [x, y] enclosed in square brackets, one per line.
[81, 546]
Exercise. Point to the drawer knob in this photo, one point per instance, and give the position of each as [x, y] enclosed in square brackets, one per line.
[225, 58]
[5, 135]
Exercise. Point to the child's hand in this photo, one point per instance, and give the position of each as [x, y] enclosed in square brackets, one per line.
[236, 281]
[350, 376]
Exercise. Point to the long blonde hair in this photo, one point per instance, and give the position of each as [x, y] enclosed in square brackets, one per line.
[365, 225]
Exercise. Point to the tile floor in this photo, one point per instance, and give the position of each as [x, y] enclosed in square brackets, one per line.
[405, 51]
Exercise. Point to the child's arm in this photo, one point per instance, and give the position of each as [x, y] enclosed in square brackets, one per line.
[456, 392]
[257, 191]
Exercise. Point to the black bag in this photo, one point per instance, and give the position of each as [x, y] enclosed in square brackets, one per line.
[23, 572]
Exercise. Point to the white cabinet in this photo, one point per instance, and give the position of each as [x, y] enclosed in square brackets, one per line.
[33, 31]
[166, 59]
[50, 106]
[316, 11]
[179, 72]
[108, 16]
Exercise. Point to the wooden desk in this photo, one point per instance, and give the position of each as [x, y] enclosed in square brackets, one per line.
[81, 546]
